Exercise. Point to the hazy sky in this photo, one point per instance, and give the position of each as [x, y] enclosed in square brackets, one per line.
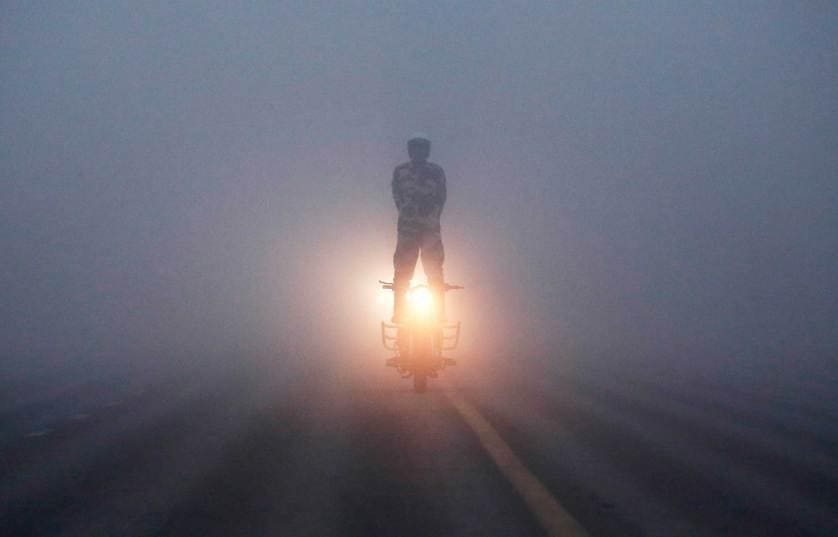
[649, 177]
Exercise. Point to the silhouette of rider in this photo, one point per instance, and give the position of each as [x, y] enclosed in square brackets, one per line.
[419, 192]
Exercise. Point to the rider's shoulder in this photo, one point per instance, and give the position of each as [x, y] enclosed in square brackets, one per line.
[406, 168]
[403, 167]
[436, 169]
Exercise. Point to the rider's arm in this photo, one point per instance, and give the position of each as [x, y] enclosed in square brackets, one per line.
[398, 195]
[443, 190]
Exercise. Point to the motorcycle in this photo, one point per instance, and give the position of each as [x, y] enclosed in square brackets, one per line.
[419, 341]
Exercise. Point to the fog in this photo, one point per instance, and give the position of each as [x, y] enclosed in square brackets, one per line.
[639, 182]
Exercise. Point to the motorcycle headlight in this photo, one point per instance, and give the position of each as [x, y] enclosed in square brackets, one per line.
[421, 300]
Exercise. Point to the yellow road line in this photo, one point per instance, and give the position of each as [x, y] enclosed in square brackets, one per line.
[553, 517]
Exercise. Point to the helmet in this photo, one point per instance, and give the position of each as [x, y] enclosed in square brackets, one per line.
[419, 147]
[419, 137]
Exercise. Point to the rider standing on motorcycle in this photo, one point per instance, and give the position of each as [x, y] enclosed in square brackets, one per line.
[419, 192]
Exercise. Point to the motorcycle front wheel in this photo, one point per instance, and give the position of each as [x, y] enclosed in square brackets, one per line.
[420, 381]
[422, 352]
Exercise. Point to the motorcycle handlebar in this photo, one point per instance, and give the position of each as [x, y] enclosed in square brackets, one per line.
[448, 286]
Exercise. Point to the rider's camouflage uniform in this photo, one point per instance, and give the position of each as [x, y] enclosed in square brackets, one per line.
[419, 192]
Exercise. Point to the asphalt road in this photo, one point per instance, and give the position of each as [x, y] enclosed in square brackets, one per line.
[319, 450]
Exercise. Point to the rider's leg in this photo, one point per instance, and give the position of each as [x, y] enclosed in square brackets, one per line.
[404, 263]
[433, 255]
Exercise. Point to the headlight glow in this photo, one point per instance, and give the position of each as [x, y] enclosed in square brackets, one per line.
[421, 299]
